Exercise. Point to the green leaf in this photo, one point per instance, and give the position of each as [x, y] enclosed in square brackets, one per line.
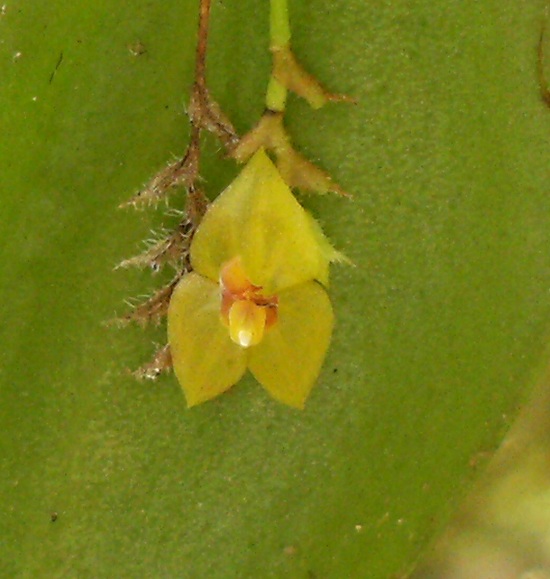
[440, 328]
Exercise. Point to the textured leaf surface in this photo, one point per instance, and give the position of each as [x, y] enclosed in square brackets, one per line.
[440, 328]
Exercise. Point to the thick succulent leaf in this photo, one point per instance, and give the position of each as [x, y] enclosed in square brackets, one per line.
[206, 361]
[258, 219]
[288, 360]
[440, 329]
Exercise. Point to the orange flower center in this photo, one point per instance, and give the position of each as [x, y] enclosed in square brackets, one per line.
[244, 309]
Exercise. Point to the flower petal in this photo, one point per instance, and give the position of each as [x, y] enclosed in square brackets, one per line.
[206, 361]
[289, 358]
[258, 219]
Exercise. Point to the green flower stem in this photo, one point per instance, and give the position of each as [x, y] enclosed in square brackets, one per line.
[279, 24]
[275, 98]
[287, 74]
[279, 30]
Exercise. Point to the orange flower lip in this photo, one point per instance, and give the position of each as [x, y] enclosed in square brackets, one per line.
[244, 309]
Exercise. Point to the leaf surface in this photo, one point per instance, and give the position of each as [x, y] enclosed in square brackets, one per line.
[440, 329]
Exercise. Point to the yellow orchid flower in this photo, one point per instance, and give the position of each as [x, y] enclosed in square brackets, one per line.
[256, 296]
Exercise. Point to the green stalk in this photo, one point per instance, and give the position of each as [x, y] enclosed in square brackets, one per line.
[279, 31]
[279, 24]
